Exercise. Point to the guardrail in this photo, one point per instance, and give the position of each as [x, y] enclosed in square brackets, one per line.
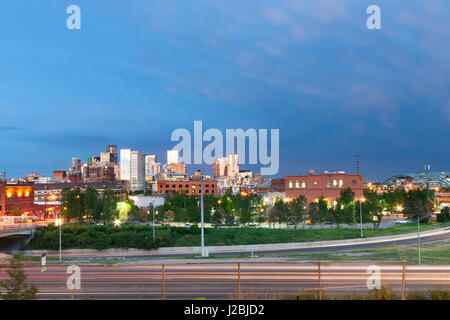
[21, 226]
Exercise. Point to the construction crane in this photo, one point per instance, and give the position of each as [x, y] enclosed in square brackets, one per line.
[61, 161]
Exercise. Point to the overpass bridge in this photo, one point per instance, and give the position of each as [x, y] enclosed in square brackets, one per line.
[13, 236]
[22, 229]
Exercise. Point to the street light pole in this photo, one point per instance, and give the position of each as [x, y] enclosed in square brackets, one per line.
[153, 205]
[360, 217]
[427, 170]
[201, 217]
[60, 222]
[418, 234]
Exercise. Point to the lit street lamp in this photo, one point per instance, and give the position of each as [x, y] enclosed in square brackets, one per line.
[59, 222]
[399, 209]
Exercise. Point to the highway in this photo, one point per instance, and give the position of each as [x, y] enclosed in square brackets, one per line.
[220, 281]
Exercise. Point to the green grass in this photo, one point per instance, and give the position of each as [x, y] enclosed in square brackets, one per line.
[437, 253]
[140, 237]
[103, 261]
[384, 293]
[245, 236]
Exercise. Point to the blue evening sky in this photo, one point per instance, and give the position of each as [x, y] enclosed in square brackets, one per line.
[138, 69]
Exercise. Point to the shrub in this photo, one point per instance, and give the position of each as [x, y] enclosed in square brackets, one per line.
[384, 293]
[444, 215]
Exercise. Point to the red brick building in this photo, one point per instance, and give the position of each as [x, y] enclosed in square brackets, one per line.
[17, 197]
[188, 187]
[313, 186]
[103, 174]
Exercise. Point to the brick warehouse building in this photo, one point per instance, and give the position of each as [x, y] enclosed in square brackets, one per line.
[188, 187]
[16, 197]
[313, 186]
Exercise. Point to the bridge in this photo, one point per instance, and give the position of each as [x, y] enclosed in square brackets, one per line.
[20, 229]
[13, 235]
[434, 179]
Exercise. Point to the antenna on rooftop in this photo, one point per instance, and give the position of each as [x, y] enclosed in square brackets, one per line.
[357, 163]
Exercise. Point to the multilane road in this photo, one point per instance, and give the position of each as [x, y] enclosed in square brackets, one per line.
[220, 281]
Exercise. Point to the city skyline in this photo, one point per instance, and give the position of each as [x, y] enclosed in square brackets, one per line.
[312, 70]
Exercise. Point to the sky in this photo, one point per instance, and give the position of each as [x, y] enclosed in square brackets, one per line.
[137, 70]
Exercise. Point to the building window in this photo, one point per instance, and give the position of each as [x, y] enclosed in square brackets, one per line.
[341, 183]
[334, 183]
[297, 185]
[328, 183]
[315, 182]
[354, 182]
[303, 184]
[290, 184]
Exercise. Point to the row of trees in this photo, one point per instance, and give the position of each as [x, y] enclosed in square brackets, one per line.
[251, 207]
[90, 206]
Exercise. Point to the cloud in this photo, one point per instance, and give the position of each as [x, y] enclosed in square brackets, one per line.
[10, 128]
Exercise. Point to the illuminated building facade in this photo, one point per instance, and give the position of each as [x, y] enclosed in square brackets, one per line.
[16, 198]
[313, 186]
[188, 187]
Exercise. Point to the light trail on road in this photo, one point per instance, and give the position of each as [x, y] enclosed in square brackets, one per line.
[221, 281]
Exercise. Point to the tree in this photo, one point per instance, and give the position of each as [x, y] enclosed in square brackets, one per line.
[313, 213]
[226, 203]
[108, 206]
[370, 207]
[331, 217]
[297, 210]
[444, 215]
[72, 203]
[280, 211]
[217, 216]
[92, 208]
[345, 209]
[393, 198]
[416, 205]
[16, 288]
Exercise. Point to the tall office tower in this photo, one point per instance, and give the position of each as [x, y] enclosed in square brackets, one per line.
[233, 164]
[172, 156]
[106, 157]
[76, 164]
[219, 167]
[137, 166]
[150, 161]
[112, 148]
[125, 164]
[226, 167]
